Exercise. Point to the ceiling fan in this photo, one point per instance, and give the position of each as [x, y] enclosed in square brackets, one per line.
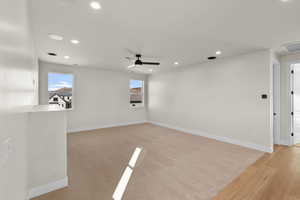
[139, 62]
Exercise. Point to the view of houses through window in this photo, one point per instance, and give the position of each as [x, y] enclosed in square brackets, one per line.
[60, 89]
[136, 92]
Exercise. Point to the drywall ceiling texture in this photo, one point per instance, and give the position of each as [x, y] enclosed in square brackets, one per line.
[178, 31]
[18, 75]
[101, 97]
[220, 99]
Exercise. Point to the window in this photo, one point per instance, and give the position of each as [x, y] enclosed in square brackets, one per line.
[136, 92]
[60, 89]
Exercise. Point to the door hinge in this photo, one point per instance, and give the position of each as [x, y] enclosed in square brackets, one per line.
[292, 134]
[292, 113]
[292, 71]
[292, 92]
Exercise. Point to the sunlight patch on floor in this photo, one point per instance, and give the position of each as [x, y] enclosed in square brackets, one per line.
[121, 187]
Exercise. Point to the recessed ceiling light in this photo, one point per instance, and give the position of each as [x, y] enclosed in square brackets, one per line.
[52, 54]
[55, 37]
[218, 52]
[285, 1]
[95, 5]
[75, 41]
[67, 57]
[176, 63]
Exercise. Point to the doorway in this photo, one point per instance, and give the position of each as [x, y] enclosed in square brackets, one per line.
[295, 84]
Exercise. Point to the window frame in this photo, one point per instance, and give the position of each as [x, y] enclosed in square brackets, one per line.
[137, 105]
[73, 86]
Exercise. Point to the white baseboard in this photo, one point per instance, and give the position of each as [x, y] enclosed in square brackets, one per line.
[73, 130]
[215, 137]
[193, 132]
[44, 189]
[285, 143]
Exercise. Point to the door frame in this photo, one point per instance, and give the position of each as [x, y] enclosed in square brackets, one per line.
[291, 78]
[276, 102]
[286, 64]
[292, 96]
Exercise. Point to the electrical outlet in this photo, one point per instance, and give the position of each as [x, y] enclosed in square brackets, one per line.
[5, 150]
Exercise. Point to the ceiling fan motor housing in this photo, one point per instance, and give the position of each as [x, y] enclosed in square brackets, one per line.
[138, 61]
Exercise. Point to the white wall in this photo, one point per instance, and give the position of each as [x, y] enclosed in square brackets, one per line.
[101, 97]
[220, 99]
[18, 75]
[285, 104]
[47, 151]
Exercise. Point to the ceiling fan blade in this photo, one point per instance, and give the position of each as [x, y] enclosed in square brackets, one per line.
[151, 63]
[130, 66]
[144, 55]
[129, 58]
[131, 51]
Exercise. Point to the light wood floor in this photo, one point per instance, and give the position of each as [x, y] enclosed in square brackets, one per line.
[172, 166]
[273, 177]
[175, 166]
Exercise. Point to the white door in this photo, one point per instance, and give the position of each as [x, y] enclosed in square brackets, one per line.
[296, 102]
[276, 105]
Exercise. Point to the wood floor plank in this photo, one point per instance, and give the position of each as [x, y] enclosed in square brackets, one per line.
[276, 177]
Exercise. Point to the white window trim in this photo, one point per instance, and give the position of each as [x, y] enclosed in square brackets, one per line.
[73, 86]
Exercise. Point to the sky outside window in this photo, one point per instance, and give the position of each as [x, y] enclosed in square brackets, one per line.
[57, 81]
[136, 84]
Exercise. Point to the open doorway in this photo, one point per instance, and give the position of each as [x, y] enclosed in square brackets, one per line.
[295, 84]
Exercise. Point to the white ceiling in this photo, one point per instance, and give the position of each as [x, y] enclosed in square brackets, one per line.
[164, 30]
